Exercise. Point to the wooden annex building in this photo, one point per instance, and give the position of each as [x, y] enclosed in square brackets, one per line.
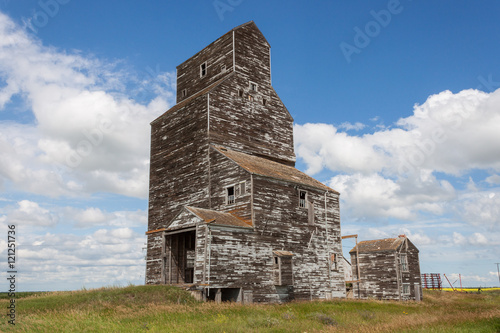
[230, 217]
[388, 269]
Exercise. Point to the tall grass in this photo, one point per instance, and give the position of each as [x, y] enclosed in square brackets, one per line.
[168, 309]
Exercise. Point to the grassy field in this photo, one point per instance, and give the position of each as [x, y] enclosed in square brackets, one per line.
[167, 309]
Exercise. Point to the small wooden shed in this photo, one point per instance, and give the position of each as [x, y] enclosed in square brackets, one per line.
[388, 269]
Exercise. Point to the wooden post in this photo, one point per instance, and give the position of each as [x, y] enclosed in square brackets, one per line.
[357, 262]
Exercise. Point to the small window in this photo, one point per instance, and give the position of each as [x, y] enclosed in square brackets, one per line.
[333, 261]
[264, 101]
[250, 98]
[276, 260]
[203, 69]
[242, 188]
[253, 86]
[230, 195]
[406, 289]
[184, 92]
[240, 93]
[223, 68]
[404, 262]
[302, 199]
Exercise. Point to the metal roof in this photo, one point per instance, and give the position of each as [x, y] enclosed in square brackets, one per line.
[387, 244]
[267, 168]
[215, 217]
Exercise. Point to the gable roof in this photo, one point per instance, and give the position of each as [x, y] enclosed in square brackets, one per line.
[215, 217]
[267, 168]
[255, 26]
[377, 245]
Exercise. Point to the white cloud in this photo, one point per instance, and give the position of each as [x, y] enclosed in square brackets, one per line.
[455, 279]
[375, 196]
[65, 261]
[480, 209]
[493, 179]
[30, 213]
[88, 135]
[476, 239]
[348, 126]
[450, 133]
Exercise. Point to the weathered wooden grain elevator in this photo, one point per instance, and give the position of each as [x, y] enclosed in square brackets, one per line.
[230, 217]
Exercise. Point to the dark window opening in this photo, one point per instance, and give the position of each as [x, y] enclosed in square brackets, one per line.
[240, 93]
[184, 92]
[264, 102]
[230, 195]
[302, 199]
[203, 69]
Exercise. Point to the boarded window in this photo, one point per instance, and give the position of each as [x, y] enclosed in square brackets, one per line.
[334, 261]
[283, 270]
[242, 188]
[404, 262]
[406, 289]
[310, 212]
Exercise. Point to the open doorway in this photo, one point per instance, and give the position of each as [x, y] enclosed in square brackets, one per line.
[179, 257]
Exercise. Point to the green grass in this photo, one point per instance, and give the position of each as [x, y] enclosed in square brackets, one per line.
[168, 309]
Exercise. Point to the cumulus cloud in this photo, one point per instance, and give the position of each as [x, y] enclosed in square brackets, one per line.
[477, 239]
[29, 213]
[89, 135]
[450, 133]
[493, 179]
[103, 257]
[481, 208]
[375, 196]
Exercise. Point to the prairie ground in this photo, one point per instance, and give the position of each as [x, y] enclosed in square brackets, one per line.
[168, 309]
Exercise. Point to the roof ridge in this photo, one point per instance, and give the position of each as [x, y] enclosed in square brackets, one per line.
[268, 168]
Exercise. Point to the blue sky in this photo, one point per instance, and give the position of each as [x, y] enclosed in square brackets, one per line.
[395, 104]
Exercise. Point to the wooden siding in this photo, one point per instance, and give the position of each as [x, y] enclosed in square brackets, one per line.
[382, 276]
[216, 55]
[179, 162]
[249, 126]
[280, 221]
[224, 173]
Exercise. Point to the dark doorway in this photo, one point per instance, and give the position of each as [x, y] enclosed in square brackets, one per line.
[180, 257]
